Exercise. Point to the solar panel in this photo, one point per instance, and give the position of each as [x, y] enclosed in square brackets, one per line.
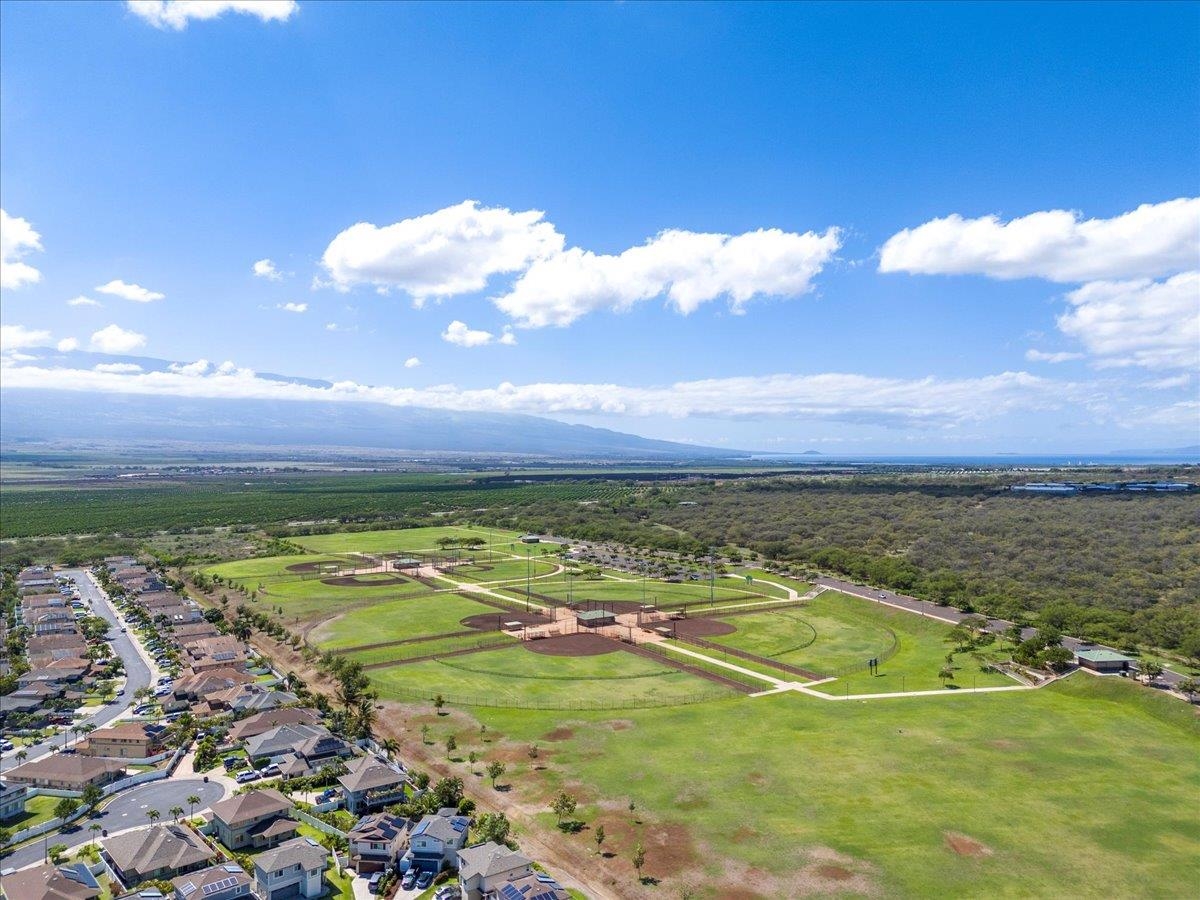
[187, 889]
[219, 886]
[508, 892]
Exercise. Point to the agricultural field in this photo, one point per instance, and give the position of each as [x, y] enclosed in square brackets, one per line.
[1088, 782]
[404, 539]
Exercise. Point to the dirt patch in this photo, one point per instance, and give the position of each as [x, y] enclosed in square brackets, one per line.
[702, 627]
[758, 779]
[558, 734]
[817, 871]
[495, 621]
[364, 581]
[744, 835]
[573, 645]
[620, 724]
[833, 873]
[319, 565]
[965, 845]
[1004, 744]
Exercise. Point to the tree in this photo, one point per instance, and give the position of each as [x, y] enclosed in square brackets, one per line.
[65, 807]
[473, 757]
[1056, 658]
[946, 674]
[176, 812]
[95, 828]
[390, 746]
[92, 795]
[494, 770]
[491, 827]
[192, 800]
[153, 815]
[5, 836]
[21, 755]
[1190, 687]
[451, 745]
[1150, 670]
[599, 838]
[438, 702]
[564, 805]
[639, 859]
[425, 734]
[532, 751]
[55, 852]
[365, 718]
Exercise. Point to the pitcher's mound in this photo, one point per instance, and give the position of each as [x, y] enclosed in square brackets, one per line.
[573, 645]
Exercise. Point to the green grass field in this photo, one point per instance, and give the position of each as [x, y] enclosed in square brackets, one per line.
[664, 593]
[1087, 787]
[394, 620]
[427, 648]
[412, 539]
[519, 677]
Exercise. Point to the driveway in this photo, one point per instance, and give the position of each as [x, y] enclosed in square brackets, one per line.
[137, 672]
[127, 810]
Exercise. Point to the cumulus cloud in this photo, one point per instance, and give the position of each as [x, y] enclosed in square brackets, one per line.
[17, 238]
[197, 368]
[175, 14]
[457, 250]
[412, 362]
[452, 251]
[114, 339]
[686, 267]
[1042, 356]
[82, 300]
[66, 345]
[924, 402]
[264, 268]
[1154, 240]
[292, 307]
[1155, 324]
[117, 368]
[134, 292]
[1169, 383]
[458, 333]
[18, 337]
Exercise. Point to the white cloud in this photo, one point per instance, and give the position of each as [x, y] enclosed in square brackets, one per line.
[452, 251]
[134, 292]
[264, 268]
[175, 14]
[199, 367]
[334, 326]
[117, 368]
[1155, 324]
[861, 399]
[687, 267]
[292, 307]
[83, 300]
[1154, 240]
[18, 337]
[66, 345]
[507, 337]
[1041, 356]
[458, 333]
[17, 238]
[1184, 414]
[114, 339]
[412, 362]
[1171, 381]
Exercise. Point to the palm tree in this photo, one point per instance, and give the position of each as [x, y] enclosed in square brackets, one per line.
[176, 812]
[153, 815]
[21, 755]
[389, 746]
[365, 716]
[191, 802]
[95, 829]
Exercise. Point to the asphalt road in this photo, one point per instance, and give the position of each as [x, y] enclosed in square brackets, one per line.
[137, 673]
[128, 810]
[950, 614]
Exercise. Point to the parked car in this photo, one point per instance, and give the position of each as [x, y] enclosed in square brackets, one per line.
[231, 762]
[271, 771]
[409, 881]
[373, 884]
[425, 879]
[247, 777]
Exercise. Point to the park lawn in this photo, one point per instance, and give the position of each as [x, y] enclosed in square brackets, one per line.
[518, 676]
[661, 592]
[394, 620]
[401, 539]
[304, 600]
[267, 569]
[426, 648]
[1044, 781]
[501, 570]
[914, 667]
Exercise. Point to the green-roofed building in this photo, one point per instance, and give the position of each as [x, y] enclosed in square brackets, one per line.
[1100, 660]
[595, 618]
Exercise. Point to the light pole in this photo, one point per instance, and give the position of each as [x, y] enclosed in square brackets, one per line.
[528, 564]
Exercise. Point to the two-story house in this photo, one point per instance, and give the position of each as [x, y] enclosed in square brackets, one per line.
[435, 842]
[371, 784]
[254, 819]
[377, 842]
[293, 869]
[224, 881]
[485, 868]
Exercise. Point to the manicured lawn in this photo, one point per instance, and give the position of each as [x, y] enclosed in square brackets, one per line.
[414, 539]
[519, 676]
[1087, 786]
[502, 570]
[394, 620]
[726, 592]
[425, 648]
[37, 810]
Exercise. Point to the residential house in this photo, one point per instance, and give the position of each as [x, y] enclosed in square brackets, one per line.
[66, 772]
[249, 698]
[67, 670]
[293, 869]
[252, 726]
[156, 852]
[51, 882]
[485, 868]
[535, 886]
[371, 784]
[198, 685]
[12, 800]
[435, 842]
[225, 881]
[194, 631]
[254, 819]
[31, 697]
[377, 842]
[128, 740]
[313, 742]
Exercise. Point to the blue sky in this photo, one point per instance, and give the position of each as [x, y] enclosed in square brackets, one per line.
[762, 162]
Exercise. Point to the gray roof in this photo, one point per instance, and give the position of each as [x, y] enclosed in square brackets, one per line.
[441, 828]
[211, 880]
[157, 847]
[378, 827]
[282, 738]
[250, 805]
[369, 773]
[489, 859]
[305, 852]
